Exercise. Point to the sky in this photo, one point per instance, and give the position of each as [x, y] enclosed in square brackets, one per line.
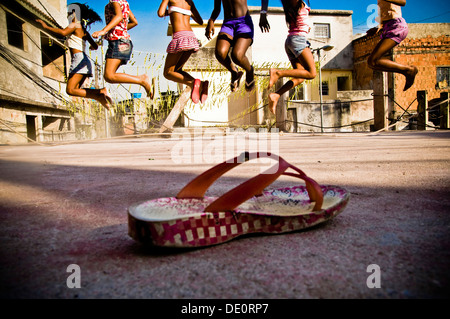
[150, 34]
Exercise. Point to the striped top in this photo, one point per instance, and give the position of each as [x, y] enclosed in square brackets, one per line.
[303, 25]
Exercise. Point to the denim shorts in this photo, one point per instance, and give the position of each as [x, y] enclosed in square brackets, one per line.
[395, 29]
[294, 46]
[120, 50]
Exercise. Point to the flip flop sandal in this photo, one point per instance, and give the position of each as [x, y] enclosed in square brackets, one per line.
[204, 95]
[235, 84]
[195, 95]
[249, 86]
[192, 220]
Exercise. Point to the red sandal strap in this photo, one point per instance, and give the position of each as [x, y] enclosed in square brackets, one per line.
[198, 186]
[253, 187]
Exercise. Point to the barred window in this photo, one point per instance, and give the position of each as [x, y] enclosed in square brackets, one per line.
[15, 31]
[325, 88]
[442, 77]
[322, 30]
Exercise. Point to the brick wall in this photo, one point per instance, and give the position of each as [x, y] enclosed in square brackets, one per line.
[427, 47]
[362, 74]
[426, 54]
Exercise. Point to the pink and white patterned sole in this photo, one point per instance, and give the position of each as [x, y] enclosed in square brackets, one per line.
[174, 222]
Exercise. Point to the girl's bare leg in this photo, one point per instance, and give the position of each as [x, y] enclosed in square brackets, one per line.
[173, 68]
[111, 76]
[239, 57]
[74, 88]
[307, 72]
[223, 46]
[377, 61]
[303, 68]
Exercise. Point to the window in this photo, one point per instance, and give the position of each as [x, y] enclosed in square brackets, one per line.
[343, 83]
[15, 31]
[442, 77]
[325, 89]
[322, 30]
[53, 59]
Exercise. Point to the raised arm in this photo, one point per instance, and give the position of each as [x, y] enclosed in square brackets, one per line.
[263, 23]
[62, 32]
[118, 16]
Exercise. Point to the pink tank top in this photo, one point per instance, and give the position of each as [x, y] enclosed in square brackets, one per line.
[303, 25]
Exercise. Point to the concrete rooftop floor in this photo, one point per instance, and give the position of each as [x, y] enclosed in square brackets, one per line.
[67, 204]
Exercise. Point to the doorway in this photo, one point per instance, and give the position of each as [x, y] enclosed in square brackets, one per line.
[31, 127]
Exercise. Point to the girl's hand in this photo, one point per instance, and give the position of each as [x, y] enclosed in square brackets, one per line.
[263, 23]
[209, 29]
[43, 24]
[98, 34]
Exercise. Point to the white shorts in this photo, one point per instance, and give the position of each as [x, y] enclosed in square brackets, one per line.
[81, 64]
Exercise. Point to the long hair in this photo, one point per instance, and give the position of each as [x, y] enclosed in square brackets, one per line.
[291, 9]
[88, 15]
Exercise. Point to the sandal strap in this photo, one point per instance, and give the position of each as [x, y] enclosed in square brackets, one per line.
[252, 187]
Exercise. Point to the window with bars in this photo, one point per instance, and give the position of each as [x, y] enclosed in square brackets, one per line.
[325, 88]
[15, 31]
[322, 30]
[442, 77]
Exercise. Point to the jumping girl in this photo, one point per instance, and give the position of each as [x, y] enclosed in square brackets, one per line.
[297, 50]
[236, 35]
[393, 30]
[119, 19]
[184, 43]
[81, 67]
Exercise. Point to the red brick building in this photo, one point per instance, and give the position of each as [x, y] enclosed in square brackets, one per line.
[427, 47]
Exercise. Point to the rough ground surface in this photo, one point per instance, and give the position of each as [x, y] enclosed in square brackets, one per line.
[67, 204]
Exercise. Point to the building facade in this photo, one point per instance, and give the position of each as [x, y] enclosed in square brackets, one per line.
[34, 63]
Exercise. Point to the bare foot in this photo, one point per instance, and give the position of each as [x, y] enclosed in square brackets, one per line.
[410, 78]
[273, 101]
[274, 77]
[104, 91]
[103, 100]
[147, 85]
